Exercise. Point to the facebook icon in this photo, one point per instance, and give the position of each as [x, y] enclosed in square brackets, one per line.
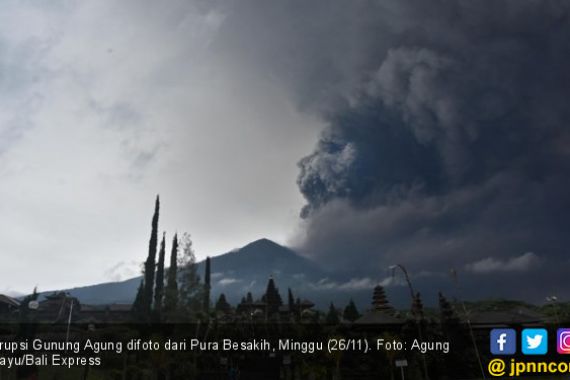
[503, 341]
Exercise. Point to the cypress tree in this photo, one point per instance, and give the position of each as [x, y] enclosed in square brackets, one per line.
[291, 301]
[418, 307]
[149, 266]
[190, 288]
[298, 307]
[332, 316]
[159, 287]
[171, 297]
[351, 312]
[138, 302]
[446, 311]
[207, 286]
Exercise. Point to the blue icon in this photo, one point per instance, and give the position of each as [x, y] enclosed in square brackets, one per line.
[534, 341]
[503, 341]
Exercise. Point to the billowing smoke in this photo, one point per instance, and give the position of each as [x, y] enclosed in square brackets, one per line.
[454, 148]
[447, 140]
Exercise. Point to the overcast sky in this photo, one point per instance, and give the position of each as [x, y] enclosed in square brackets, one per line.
[104, 104]
[432, 134]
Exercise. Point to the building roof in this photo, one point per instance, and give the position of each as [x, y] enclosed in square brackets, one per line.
[518, 316]
[375, 317]
[120, 307]
[106, 307]
[9, 300]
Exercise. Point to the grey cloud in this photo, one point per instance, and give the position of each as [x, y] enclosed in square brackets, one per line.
[249, 286]
[95, 121]
[356, 283]
[445, 139]
[21, 80]
[122, 270]
[11, 292]
[228, 281]
[522, 263]
[454, 114]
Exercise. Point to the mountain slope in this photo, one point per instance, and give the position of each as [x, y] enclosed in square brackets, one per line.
[233, 273]
[248, 269]
[262, 258]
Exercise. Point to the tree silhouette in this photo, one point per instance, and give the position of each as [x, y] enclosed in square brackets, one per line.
[149, 267]
[447, 313]
[351, 312]
[290, 300]
[171, 295]
[332, 315]
[418, 307]
[138, 306]
[191, 296]
[207, 286]
[159, 287]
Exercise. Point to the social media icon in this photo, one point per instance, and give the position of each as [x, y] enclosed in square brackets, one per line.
[504, 341]
[534, 341]
[563, 341]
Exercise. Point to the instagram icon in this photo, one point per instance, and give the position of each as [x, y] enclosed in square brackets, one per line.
[563, 341]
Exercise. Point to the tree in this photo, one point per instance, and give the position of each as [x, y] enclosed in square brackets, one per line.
[332, 316]
[290, 300]
[207, 287]
[455, 362]
[191, 295]
[351, 312]
[418, 307]
[298, 308]
[446, 311]
[149, 267]
[137, 307]
[171, 294]
[159, 287]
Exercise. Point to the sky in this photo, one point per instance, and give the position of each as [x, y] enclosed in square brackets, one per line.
[105, 104]
[430, 134]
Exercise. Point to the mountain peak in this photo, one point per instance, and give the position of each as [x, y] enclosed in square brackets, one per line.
[266, 248]
[263, 243]
[234, 273]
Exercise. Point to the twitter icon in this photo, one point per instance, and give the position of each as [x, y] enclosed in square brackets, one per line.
[534, 341]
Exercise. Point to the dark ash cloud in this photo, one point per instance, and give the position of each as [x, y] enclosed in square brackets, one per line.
[447, 139]
[458, 146]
